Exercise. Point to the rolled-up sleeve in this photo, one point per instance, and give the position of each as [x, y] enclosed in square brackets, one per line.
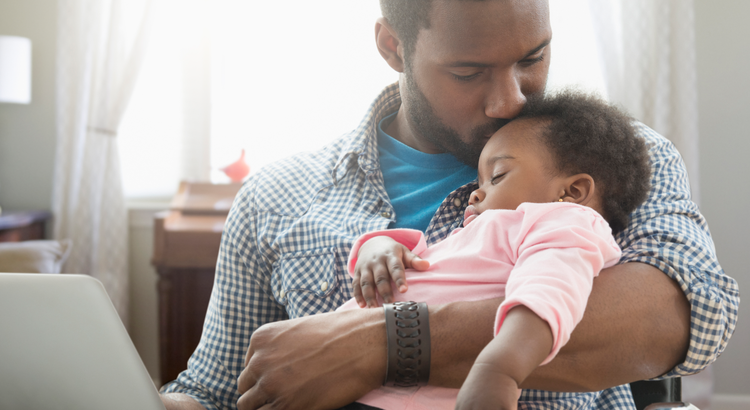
[669, 233]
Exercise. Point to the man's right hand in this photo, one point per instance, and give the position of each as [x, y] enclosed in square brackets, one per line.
[317, 362]
[179, 401]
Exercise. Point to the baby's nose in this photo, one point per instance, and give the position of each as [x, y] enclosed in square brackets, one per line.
[474, 198]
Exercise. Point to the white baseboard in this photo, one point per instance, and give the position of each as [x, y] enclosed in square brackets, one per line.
[730, 402]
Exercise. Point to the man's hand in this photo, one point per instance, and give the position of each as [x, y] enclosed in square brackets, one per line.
[380, 261]
[179, 401]
[318, 362]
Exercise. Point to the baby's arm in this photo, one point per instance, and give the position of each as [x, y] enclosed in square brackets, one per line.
[378, 261]
[523, 342]
[546, 295]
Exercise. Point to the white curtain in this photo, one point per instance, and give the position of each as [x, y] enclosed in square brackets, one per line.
[647, 55]
[639, 54]
[646, 51]
[100, 45]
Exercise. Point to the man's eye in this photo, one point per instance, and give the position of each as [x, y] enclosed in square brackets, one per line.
[465, 77]
[533, 60]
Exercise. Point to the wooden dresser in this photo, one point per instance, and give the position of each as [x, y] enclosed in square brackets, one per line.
[186, 245]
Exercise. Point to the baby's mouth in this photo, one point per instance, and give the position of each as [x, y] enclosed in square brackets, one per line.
[470, 214]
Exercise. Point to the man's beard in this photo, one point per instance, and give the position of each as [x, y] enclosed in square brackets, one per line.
[427, 124]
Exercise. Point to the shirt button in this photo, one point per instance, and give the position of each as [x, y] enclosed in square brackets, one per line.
[323, 286]
[282, 295]
[457, 202]
[385, 214]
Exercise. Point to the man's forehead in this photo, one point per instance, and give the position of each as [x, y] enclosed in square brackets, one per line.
[478, 28]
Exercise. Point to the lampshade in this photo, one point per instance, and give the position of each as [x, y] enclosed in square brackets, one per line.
[15, 70]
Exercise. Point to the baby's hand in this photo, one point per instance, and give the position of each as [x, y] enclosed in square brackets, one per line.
[380, 261]
[484, 388]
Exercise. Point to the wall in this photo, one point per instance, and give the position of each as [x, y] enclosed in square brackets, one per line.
[27, 132]
[723, 41]
[27, 154]
[144, 320]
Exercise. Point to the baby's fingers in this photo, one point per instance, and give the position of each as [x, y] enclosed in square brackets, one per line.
[383, 283]
[357, 289]
[398, 275]
[367, 283]
[413, 261]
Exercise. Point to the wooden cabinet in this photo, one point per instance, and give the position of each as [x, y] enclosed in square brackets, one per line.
[186, 245]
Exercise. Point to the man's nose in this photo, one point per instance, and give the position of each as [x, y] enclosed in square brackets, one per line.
[504, 96]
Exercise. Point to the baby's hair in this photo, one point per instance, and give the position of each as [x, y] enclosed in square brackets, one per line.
[584, 134]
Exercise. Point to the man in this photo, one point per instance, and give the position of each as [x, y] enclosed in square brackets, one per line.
[467, 68]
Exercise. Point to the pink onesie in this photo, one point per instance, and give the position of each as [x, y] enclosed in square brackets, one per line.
[543, 256]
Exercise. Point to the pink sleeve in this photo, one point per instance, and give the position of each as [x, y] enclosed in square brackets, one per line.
[559, 252]
[411, 238]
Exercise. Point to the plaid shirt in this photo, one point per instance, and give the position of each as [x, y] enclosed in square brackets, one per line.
[287, 238]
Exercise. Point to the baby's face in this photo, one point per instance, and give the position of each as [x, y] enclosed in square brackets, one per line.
[514, 168]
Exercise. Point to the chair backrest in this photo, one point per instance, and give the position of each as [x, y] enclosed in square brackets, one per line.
[647, 392]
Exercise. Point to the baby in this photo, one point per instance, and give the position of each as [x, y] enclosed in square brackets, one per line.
[553, 186]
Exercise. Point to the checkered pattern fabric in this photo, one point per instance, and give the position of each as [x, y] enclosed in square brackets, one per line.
[287, 238]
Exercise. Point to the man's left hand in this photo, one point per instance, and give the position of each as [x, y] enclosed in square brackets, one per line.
[318, 362]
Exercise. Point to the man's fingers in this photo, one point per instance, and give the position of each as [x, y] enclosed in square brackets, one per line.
[253, 399]
[249, 353]
[383, 283]
[246, 381]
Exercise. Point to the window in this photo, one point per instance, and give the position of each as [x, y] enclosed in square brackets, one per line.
[272, 78]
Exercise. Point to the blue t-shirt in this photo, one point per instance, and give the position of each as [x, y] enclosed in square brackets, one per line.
[417, 183]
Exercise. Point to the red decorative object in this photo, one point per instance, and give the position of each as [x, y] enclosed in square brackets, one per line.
[238, 170]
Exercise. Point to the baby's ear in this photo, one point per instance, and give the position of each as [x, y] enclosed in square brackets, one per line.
[580, 189]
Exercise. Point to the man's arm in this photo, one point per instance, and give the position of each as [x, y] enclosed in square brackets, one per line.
[636, 326]
[347, 349]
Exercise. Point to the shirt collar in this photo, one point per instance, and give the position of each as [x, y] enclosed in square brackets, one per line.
[362, 145]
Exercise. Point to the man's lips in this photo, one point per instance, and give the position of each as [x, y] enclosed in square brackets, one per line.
[470, 214]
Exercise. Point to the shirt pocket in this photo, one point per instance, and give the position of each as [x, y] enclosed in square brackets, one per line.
[303, 281]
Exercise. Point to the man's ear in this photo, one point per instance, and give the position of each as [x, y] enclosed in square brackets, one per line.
[580, 189]
[389, 46]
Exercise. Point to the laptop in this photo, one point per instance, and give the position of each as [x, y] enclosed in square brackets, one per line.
[63, 346]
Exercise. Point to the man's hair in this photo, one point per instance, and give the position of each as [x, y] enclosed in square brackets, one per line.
[408, 17]
[586, 135]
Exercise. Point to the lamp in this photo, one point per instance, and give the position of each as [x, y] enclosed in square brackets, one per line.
[15, 70]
